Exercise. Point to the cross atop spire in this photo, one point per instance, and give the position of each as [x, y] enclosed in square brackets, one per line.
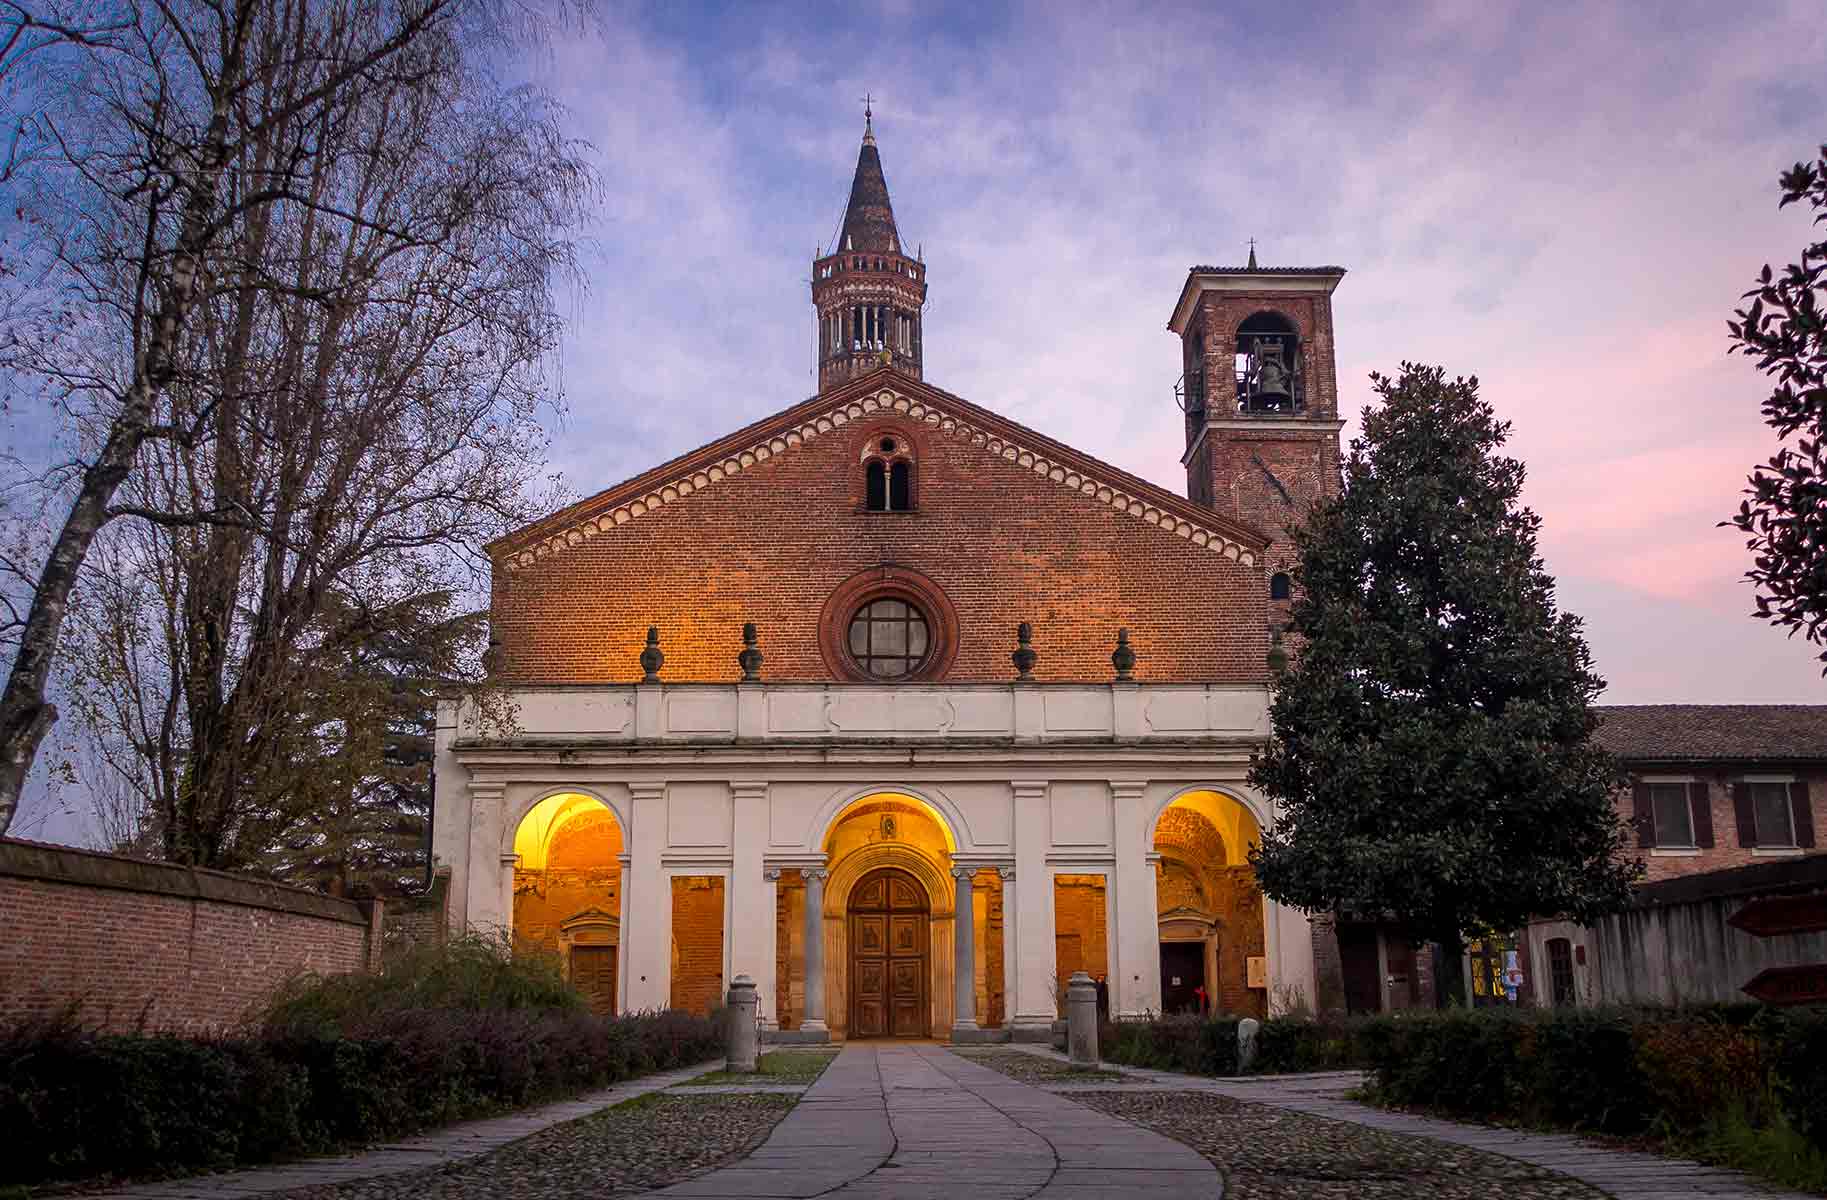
[1252, 254]
[868, 119]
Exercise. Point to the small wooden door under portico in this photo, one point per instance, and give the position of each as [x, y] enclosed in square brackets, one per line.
[889, 926]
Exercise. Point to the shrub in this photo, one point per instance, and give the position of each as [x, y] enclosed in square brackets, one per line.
[1302, 1043]
[1800, 1074]
[1199, 1045]
[472, 973]
[335, 1062]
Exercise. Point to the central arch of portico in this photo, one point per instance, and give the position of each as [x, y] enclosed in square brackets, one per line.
[876, 847]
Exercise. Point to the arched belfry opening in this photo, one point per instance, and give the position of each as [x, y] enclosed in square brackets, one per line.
[568, 892]
[1267, 360]
[1209, 909]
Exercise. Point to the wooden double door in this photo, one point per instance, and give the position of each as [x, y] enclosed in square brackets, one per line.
[890, 924]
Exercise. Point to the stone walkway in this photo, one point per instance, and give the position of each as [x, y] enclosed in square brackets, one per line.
[454, 1144]
[917, 1121]
[1625, 1174]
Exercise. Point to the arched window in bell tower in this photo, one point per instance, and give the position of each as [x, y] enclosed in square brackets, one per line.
[1269, 377]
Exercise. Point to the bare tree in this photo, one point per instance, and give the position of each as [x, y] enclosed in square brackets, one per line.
[290, 284]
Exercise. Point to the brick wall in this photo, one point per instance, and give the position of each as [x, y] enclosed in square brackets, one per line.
[1079, 928]
[1727, 850]
[697, 943]
[132, 944]
[772, 543]
[418, 920]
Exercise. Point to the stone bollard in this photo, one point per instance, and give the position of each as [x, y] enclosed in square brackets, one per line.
[742, 1025]
[1081, 1020]
[1246, 1044]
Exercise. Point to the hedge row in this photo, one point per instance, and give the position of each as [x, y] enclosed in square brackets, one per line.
[133, 1105]
[1208, 1046]
[1623, 1071]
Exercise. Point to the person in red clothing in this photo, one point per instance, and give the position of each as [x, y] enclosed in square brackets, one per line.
[1199, 995]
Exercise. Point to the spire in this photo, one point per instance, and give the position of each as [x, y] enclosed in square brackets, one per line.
[1252, 265]
[869, 219]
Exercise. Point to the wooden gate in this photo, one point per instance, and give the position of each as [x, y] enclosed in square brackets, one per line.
[889, 925]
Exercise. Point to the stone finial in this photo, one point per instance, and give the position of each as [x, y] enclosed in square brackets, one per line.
[750, 658]
[1024, 655]
[1123, 658]
[743, 1002]
[1277, 657]
[651, 658]
[1081, 1020]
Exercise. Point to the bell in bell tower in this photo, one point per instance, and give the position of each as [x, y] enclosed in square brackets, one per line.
[1260, 393]
[868, 292]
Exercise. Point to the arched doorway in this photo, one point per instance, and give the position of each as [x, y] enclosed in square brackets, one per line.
[567, 892]
[890, 921]
[1209, 907]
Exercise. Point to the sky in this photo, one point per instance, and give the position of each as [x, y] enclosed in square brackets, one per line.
[1566, 201]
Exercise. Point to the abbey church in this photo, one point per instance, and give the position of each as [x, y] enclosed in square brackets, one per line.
[900, 708]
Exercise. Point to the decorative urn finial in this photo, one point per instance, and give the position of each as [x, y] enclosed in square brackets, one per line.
[750, 658]
[651, 658]
[1123, 658]
[1024, 655]
[1277, 657]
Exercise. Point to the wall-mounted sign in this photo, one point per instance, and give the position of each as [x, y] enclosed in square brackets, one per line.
[1256, 971]
[1772, 916]
[1789, 985]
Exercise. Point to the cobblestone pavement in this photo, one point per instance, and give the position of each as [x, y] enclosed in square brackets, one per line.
[1624, 1174]
[1273, 1154]
[628, 1150]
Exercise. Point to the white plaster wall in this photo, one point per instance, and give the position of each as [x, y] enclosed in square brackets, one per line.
[693, 797]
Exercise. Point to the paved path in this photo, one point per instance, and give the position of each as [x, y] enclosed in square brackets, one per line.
[917, 1121]
[1625, 1174]
[453, 1144]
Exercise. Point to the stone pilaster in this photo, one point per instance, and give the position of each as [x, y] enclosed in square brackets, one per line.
[814, 1020]
[964, 953]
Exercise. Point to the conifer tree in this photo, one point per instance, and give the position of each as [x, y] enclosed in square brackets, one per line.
[1432, 755]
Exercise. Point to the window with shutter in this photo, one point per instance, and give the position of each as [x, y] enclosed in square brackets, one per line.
[1674, 818]
[1771, 815]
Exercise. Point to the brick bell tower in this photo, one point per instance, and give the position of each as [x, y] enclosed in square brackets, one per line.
[1260, 393]
[868, 291]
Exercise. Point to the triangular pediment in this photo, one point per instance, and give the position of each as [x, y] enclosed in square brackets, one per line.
[881, 393]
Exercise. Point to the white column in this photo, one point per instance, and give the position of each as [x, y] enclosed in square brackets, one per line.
[1036, 1006]
[482, 900]
[751, 895]
[964, 953]
[1137, 969]
[814, 1020]
[1009, 972]
[649, 940]
[777, 987]
[622, 860]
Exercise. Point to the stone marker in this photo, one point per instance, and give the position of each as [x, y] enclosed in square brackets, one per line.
[1246, 1043]
[1081, 1020]
[742, 1024]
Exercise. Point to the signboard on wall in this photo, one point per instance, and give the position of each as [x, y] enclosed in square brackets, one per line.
[1256, 971]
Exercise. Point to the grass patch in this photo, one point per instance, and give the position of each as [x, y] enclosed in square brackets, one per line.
[1032, 1068]
[776, 1066]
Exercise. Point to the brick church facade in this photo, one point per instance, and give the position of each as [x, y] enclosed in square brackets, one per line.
[901, 708]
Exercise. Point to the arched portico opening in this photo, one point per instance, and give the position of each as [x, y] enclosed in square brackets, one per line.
[879, 845]
[1209, 908]
[568, 891]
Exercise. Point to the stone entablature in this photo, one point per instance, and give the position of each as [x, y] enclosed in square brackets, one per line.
[798, 713]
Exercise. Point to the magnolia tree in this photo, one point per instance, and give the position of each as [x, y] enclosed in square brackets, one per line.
[1432, 753]
[286, 282]
[1784, 513]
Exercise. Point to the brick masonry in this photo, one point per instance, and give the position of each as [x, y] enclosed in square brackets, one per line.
[1727, 850]
[697, 943]
[774, 542]
[126, 944]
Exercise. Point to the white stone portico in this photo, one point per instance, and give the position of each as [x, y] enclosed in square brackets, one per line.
[743, 782]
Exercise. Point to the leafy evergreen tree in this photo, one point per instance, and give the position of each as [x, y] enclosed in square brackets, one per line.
[1432, 750]
[1785, 513]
